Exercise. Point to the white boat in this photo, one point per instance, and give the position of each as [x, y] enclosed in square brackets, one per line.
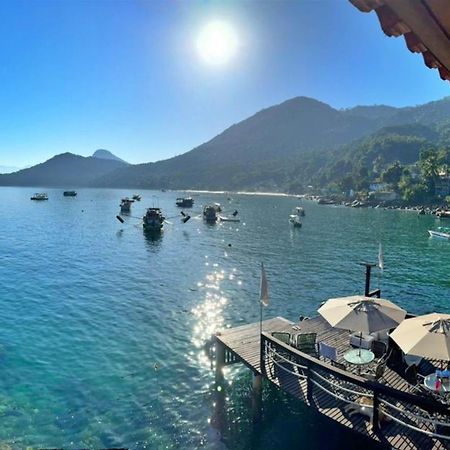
[229, 219]
[300, 211]
[125, 204]
[39, 196]
[295, 221]
[441, 232]
[153, 220]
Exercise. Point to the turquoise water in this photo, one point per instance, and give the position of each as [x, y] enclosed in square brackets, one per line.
[102, 327]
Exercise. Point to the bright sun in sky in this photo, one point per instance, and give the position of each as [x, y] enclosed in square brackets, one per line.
[217, 43]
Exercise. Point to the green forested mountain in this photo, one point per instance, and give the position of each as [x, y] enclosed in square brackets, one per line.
[285, 148]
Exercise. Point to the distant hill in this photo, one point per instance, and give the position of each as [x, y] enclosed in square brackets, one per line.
[106, 154]
[65, 170]
[282, 148]
[287, 145]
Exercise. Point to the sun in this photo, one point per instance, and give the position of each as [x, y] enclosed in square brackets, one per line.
[217, 43]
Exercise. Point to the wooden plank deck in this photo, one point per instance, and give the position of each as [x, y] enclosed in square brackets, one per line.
[244, 343]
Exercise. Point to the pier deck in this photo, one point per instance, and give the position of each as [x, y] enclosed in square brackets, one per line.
[403, 420]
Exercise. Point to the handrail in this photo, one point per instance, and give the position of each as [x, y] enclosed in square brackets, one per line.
[419, 430]
[341, 387]
[298, 375]
[287, 360]
[417, 416]
[333, 394]
[374, 386]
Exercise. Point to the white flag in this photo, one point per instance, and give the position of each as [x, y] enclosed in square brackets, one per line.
[264, 288]
[380, 257]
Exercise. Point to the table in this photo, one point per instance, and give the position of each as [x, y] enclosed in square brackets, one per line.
[359, 356]
[430, 383]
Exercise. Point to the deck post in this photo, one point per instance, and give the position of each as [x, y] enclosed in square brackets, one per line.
[375, 415]
[257, 397]
[309, 385]
[218, 419]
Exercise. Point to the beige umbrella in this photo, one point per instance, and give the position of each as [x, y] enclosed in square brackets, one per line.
[427, 336]
[363, 314]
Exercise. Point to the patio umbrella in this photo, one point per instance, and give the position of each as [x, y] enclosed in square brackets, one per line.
[427, 336]
[362, 314]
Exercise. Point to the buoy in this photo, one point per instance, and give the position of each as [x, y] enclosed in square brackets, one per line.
[120, 219]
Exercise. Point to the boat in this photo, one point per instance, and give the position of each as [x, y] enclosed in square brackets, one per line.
[210, 213]
[70, 193]
[184, 202]
[300, 211]
[153, 220]
[443, 214]
[125, 204]
[136, 197]
[294, 219]
[39, 196]
[441, 232]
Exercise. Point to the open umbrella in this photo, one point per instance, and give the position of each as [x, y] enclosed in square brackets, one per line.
[362, 314]
[427, 336]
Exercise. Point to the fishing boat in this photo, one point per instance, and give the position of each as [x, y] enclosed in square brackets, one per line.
[136, 197]
[184, 202]
[300, 211]
[125, 204]
[210, 213]
[153, 220]
[70, 193]
[441, 232]
[295, 221]
[39, 196]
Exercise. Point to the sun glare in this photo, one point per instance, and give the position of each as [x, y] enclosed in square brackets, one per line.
[217, 43]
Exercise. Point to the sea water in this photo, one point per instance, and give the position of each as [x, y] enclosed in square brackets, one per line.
[102, 327]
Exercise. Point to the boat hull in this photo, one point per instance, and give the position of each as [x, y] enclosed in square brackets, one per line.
[439, 234]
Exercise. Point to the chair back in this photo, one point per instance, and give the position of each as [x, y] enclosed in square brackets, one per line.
[281, 336]
[327, 351]
[306, 343]
[379, 349]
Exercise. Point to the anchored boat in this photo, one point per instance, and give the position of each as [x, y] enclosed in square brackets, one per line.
[153, 220]
[125, 204]
[184, 202]
[295, 221]
[211, 213]
[300, 211]
[137, 197]
[441, 232]
[70, 193]
[39, 196]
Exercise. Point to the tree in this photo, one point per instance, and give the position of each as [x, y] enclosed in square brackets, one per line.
[392, 174]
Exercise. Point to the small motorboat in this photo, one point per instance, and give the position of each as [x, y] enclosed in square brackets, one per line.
[441, 232]
[125, 204]
[39, 196]
[70, 193]
[300, 211]
[136, 197]
[153, 220]
[295, 221]
[443, 214]
[184, 202]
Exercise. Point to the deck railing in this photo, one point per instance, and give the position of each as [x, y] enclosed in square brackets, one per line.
[412, 412]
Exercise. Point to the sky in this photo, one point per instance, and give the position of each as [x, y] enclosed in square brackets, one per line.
[131, 76]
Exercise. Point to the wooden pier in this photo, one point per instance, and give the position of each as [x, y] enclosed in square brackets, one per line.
[398, 417]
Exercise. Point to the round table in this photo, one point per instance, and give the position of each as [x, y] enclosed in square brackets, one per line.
[359, 356]
[430, 383]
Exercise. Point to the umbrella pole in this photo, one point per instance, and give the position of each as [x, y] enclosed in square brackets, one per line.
[360, 342]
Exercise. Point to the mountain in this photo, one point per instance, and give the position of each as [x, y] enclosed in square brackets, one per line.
[106, 154]
[65, 170]
[285, 147]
